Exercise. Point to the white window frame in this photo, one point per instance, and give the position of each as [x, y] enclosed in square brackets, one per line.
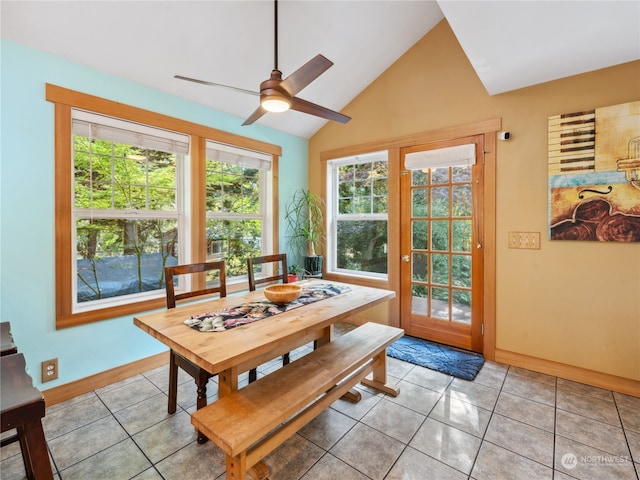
[333, 217]
[253, 159]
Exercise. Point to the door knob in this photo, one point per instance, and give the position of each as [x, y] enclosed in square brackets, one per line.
[405, 258]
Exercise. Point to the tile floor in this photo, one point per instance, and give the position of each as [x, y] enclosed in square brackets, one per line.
[509, 423]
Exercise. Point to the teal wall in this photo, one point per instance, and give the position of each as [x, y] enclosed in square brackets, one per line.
[27, 276]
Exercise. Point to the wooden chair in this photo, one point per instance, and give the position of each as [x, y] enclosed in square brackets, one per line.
[176, 360]
[280, 273]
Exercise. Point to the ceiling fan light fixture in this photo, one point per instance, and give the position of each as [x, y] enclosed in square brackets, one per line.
[275, 103]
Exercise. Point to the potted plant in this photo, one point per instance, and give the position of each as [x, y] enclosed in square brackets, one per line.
[293, 272]
[305, 228]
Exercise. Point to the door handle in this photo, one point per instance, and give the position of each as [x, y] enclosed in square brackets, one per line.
[405, 258]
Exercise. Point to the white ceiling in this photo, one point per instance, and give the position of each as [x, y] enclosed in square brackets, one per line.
[511, 44]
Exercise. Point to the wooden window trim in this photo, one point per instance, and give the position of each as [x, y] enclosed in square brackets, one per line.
[64, 100]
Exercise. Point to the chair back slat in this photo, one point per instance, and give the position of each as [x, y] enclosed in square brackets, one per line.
[282, 275]
[193, 269]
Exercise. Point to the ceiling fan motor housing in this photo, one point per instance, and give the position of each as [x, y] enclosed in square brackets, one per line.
[272, 91]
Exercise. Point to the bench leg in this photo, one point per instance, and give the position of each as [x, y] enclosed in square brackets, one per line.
[353, 396]
[227, 382]
[259, 471]
[237, 468]
[34, 451]
[379, 381]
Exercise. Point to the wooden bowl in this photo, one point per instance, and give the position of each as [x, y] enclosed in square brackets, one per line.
[282, 293]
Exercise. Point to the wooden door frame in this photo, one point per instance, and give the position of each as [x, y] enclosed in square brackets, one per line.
[487, 128]
[448, 332]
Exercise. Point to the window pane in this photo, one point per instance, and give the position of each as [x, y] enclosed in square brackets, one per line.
[420, 267]
[120, 256]
[362, 246]
[233, 241]
[110, 175]
[461, 270]
[440, 235]
[461, 200]
[419, 202]
[440, 303]
[461, 236]
[461, 300]
[440, 202]
[461, 174]
[232, 188]
[440, 269]
[440, 175]
[419, 177]
[420, 237]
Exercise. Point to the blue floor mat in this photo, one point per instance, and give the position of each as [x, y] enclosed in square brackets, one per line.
[435, 356]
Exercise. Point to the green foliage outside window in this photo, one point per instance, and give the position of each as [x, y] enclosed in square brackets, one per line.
[361, 244]
[128, 250]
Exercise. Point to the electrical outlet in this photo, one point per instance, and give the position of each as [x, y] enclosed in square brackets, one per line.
[528, 240]
[49, 370]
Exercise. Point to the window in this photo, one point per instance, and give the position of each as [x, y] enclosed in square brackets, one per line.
[126, 207]
[238, 186]
[137, 191]
[357, 207]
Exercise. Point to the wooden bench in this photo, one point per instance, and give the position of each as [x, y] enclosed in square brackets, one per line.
[251, 422]
[22, 409]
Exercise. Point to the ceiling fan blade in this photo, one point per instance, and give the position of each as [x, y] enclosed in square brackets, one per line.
[303, 106]
[306, 74]
[211, 84]
[255, 116]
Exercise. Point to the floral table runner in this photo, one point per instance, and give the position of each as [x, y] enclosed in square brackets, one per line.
[221, 320]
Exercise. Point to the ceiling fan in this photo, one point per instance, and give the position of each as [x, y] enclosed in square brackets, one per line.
[278, 95]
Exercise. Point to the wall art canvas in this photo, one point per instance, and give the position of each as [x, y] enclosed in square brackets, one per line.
[594, 174]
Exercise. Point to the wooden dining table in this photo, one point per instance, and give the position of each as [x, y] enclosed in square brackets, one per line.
[231, 352]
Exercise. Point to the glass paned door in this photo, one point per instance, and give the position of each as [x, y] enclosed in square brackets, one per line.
[442, 263]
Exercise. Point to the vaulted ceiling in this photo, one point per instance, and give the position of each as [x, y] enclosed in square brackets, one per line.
[510, 44]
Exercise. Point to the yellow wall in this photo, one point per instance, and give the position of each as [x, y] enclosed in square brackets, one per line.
[575, 303]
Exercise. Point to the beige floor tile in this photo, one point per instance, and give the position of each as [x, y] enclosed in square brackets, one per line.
[497, 463]
[394, 420]
[462, 415]
[75, 446]
[601, 436]
[589, 406]
[292, 459]
[525, 440]
[588, 463]
[122, 460]
[447, 444]
[327, 428]
[474, 393]
[526, 411]
[332, 468]
[368, 450]
[166, 437]
[416, 465]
